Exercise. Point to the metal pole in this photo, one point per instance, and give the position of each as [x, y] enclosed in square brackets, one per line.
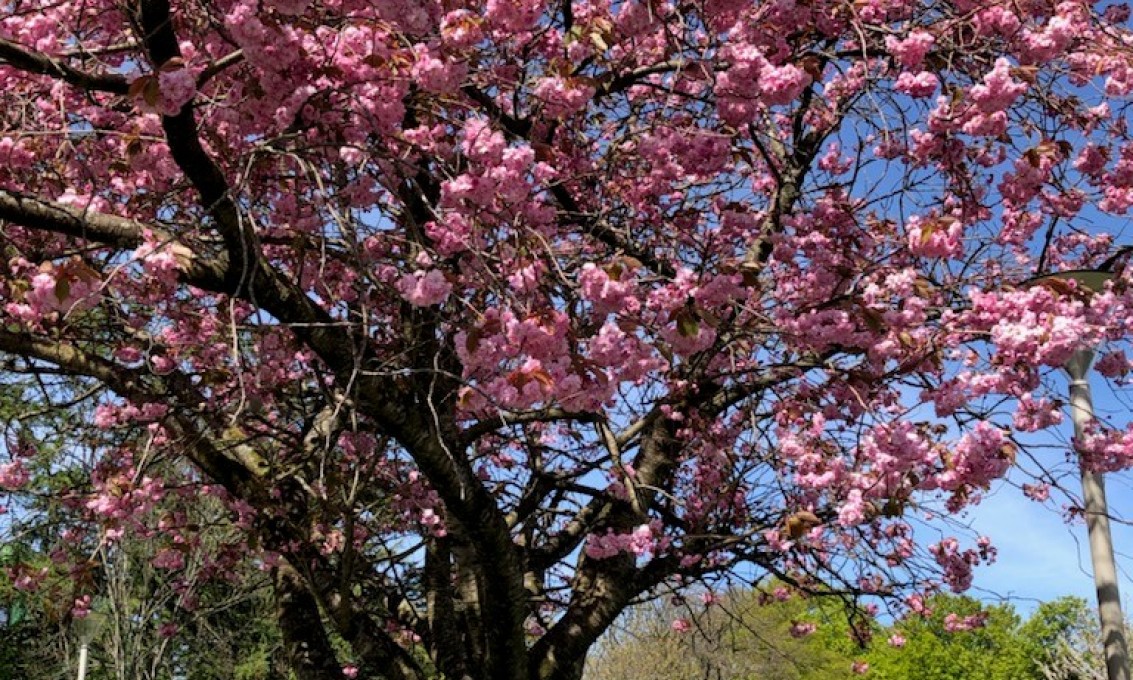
[83, 661]
[1097, 526]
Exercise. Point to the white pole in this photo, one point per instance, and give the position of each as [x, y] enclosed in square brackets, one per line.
[83, 661]
[1097, 526]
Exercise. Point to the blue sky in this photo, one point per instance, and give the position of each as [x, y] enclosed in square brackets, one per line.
[1041, 555]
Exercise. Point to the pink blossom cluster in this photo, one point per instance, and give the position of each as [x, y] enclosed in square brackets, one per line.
[434, 73]
[159, 260]
[14, 475]
[608, 294]
[425, 288]
[1033, 325]
[954, 623]
[561, 97]
[55, 292]
[1114, 364]
[998, 90]
[920, 84]
[1070, 22]
[910, 50]
[1033, 414]
[981, 455]
[120, 497]
[644, 541]
[957, 564]
[177, 87]
[512, 16]
[753, 82]
[801, 629]
[1106, 450]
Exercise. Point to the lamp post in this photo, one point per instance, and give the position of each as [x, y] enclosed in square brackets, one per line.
[86, 629]
[1094, 503]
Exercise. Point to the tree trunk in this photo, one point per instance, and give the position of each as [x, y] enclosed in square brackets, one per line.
[308, 650]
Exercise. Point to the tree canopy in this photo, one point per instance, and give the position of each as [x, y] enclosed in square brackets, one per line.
[749, 635]
[484, 319]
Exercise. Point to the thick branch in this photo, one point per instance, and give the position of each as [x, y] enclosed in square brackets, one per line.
[24, 59]
[185, 146]
[36, 213]
[604, 588]
[30, 212]
[305, 643]
[237, 469]
[474, 432]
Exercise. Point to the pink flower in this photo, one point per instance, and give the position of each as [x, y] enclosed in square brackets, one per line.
[801, 629]
[998, 89]
[434, 74]
[681, 625]
[461, 29]
[81, 608]
[953, 623]
[1092, 159]
[782, 84]
[562, 97]
[177, 87]
[13, 475]
[921, 84]
[897, 640]
[1033, 414]
[957, 564]
[1113, 365]
[425, 289]
[1037, 492]
[1103, 450]
[852, 511]
[159, 259]
[910, 51]
[61, 291]
[607, 293]
[481, 143]
[859, 668]
[512, 16]
[935, 236]
[640, 542]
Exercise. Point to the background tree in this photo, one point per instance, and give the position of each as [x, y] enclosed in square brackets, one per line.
[752, 634]
[484, 320]
[960, 638]
[175, 597]
[1074, 652]
[741, 636]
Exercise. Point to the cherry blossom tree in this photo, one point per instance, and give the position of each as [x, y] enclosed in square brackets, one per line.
[487, 319]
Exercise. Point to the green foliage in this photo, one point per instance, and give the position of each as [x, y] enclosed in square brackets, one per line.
[748, 637]
[1056, 622]
[744, 636]
[934, 652]
[1065, 642]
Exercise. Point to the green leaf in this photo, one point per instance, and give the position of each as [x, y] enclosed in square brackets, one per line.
[687, 324]
[62, 290]
[17, 613]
